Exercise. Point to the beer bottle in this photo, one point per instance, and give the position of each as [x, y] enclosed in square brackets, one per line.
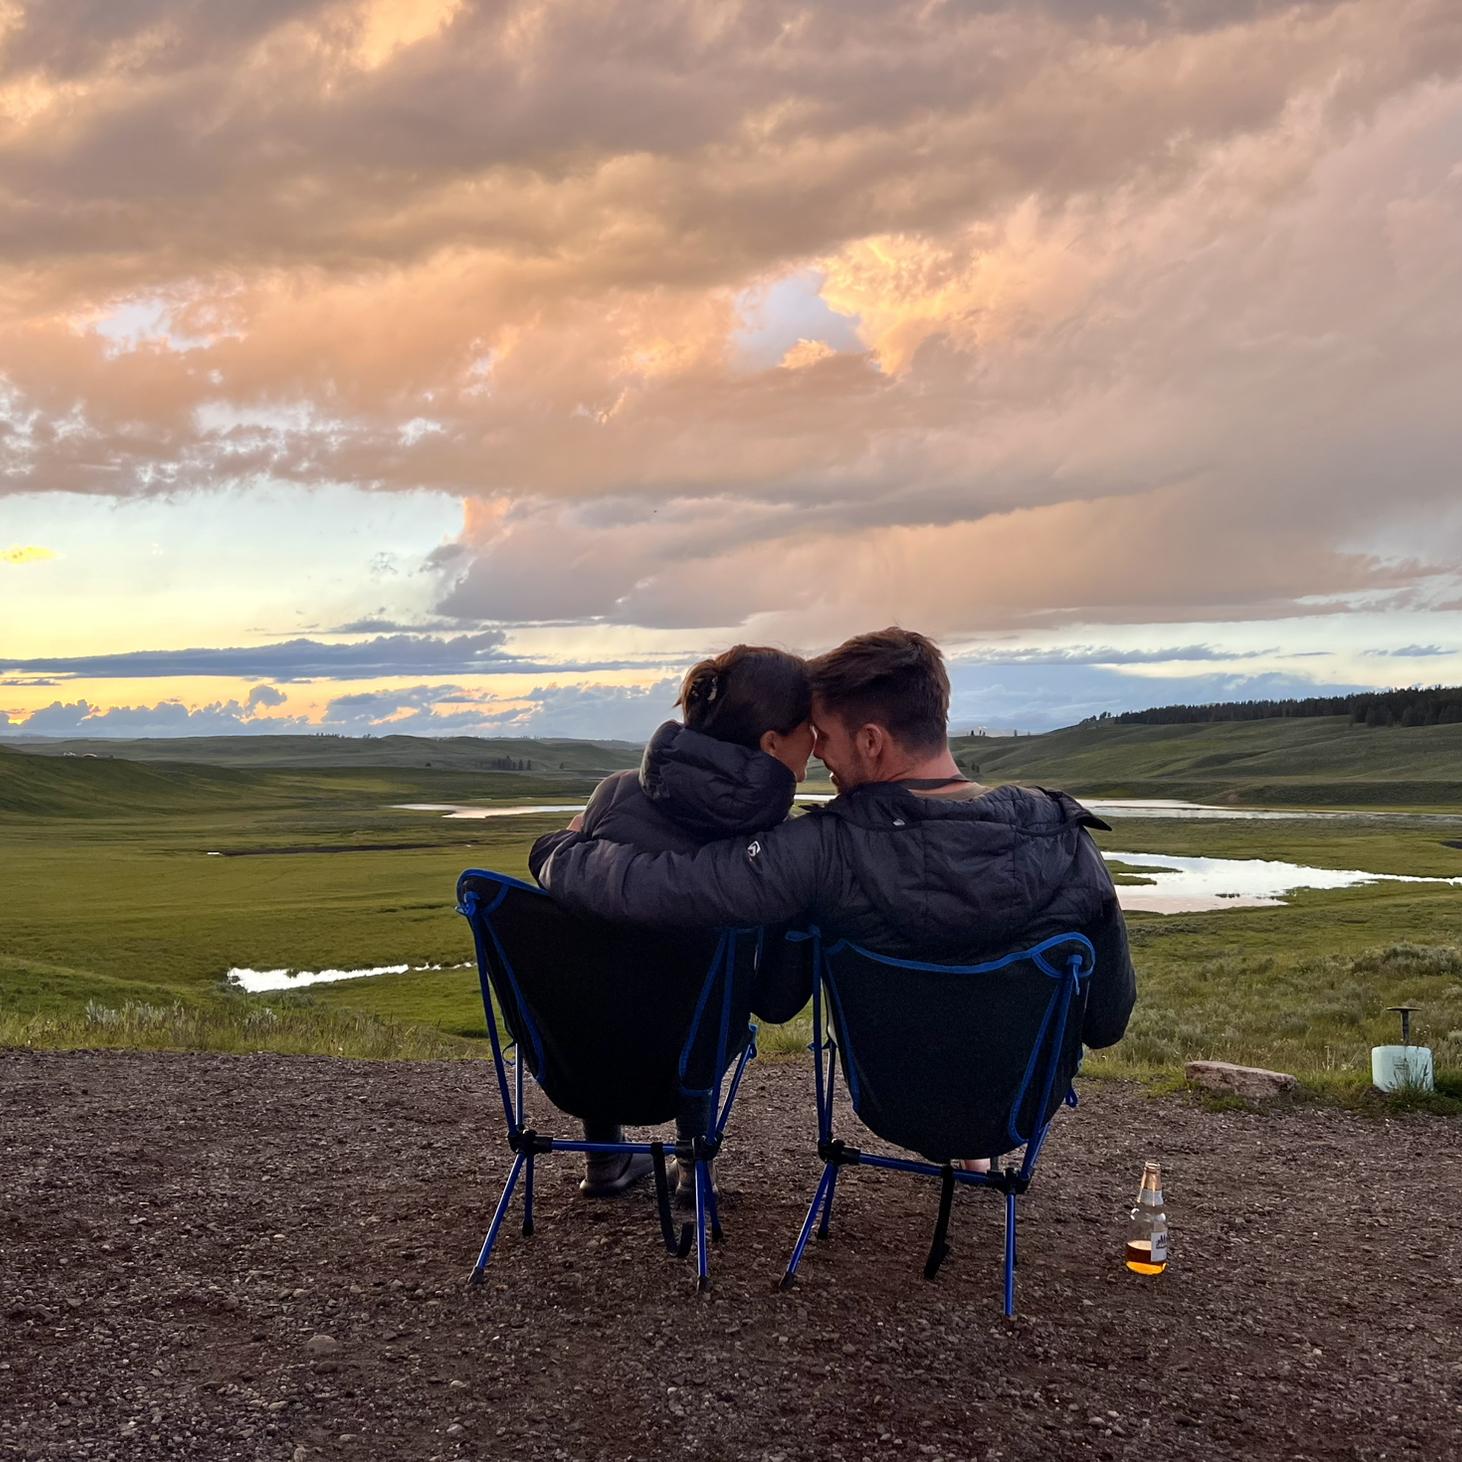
[1147, 1233]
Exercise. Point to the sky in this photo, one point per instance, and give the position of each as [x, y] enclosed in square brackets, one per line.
[444, 367]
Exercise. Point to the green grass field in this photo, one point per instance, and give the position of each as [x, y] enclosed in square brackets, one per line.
[1322, 761]
[117, 927]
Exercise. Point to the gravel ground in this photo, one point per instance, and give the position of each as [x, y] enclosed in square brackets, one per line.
[264, 1257]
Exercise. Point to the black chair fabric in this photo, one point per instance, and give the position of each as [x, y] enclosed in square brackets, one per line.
[943, 1062]
[605, 1013]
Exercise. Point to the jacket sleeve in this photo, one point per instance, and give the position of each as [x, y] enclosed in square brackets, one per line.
[601, 800]
[1113, 990]
[543, 847]
[771, 878]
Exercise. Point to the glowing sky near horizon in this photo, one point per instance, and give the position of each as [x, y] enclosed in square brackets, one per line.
[449, 367]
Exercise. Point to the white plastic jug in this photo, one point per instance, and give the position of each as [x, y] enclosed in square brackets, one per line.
[1395, 1067]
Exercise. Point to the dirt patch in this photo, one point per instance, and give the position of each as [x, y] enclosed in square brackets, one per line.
[176, 1229]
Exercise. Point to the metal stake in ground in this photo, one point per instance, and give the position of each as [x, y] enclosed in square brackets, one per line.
[1405, 1012]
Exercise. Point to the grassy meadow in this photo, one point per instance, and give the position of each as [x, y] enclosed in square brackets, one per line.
[117, 927]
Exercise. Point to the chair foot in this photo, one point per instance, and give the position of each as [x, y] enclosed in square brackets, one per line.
[475, 1277]
[528, 1228]
[703, 1283]
[931, 1265]
[786, 1282]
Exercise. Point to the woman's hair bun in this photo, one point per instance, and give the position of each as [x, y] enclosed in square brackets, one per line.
[749, 690]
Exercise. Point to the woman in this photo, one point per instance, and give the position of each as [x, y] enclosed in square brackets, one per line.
[732, 766]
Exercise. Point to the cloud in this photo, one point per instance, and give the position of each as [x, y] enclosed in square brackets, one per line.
[1028, 696]
[553, 710]
[298, 659]
[1414, 652]
[601, 712]
[1168, 555]
[480, 653]
[26, 554]
[977, 315]
[1107, 655]
[166, 718]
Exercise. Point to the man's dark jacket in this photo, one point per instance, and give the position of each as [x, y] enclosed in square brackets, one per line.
[690, 790]
[913, 876]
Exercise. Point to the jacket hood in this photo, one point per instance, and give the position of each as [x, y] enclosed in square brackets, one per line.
[958, 874]
[714, 788]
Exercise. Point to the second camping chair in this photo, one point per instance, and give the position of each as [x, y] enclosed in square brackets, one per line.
[618, 1026]
[950, 1061]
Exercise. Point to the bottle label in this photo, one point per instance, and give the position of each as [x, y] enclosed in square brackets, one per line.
[1160, 1247]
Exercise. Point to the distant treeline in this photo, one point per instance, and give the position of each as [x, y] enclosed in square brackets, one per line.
[1441, 705]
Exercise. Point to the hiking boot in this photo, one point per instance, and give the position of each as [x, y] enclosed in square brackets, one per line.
[684, 1195]
[608, 1174]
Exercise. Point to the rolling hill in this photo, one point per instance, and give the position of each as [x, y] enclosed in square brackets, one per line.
[1321, 760]
[447, 753]
[1284, 761]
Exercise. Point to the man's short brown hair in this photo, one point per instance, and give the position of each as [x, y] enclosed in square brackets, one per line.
[894, 678]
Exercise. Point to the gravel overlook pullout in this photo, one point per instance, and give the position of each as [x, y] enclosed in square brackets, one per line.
[263, 1257]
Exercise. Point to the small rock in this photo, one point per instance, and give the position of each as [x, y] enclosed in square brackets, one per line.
[1227, 1079]
[322, 1345]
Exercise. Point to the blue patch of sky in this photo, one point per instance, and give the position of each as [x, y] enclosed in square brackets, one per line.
[144, 318]
[775, 317]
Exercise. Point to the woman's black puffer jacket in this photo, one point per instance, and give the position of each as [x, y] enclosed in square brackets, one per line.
[692, 790]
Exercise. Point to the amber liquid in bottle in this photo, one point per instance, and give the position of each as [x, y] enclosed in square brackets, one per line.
[1139, 1258]
[1147, 1234]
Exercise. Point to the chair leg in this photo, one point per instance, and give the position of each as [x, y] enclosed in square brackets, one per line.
[827, 1205]
[497, 1218]
[713, 1208]
[662, 1196]
[702, 1255]
[939, 1248]
[528, 1197]
[1009, 1255]
[824, 1186]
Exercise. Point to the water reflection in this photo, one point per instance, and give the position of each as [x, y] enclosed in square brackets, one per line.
[508, 809]
[1195, 885]
[1158, 807]
[1172, 885]
[256, 982]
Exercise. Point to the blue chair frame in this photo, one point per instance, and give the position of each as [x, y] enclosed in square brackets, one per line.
[1067, 972]
[526, 1144]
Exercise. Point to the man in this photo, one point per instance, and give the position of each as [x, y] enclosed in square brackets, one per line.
[910, 859]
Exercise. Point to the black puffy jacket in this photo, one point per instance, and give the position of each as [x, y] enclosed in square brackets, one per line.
[916, 877]
[691, 790]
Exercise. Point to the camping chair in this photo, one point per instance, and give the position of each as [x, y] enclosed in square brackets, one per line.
[950, 1061]
[617, 1026]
